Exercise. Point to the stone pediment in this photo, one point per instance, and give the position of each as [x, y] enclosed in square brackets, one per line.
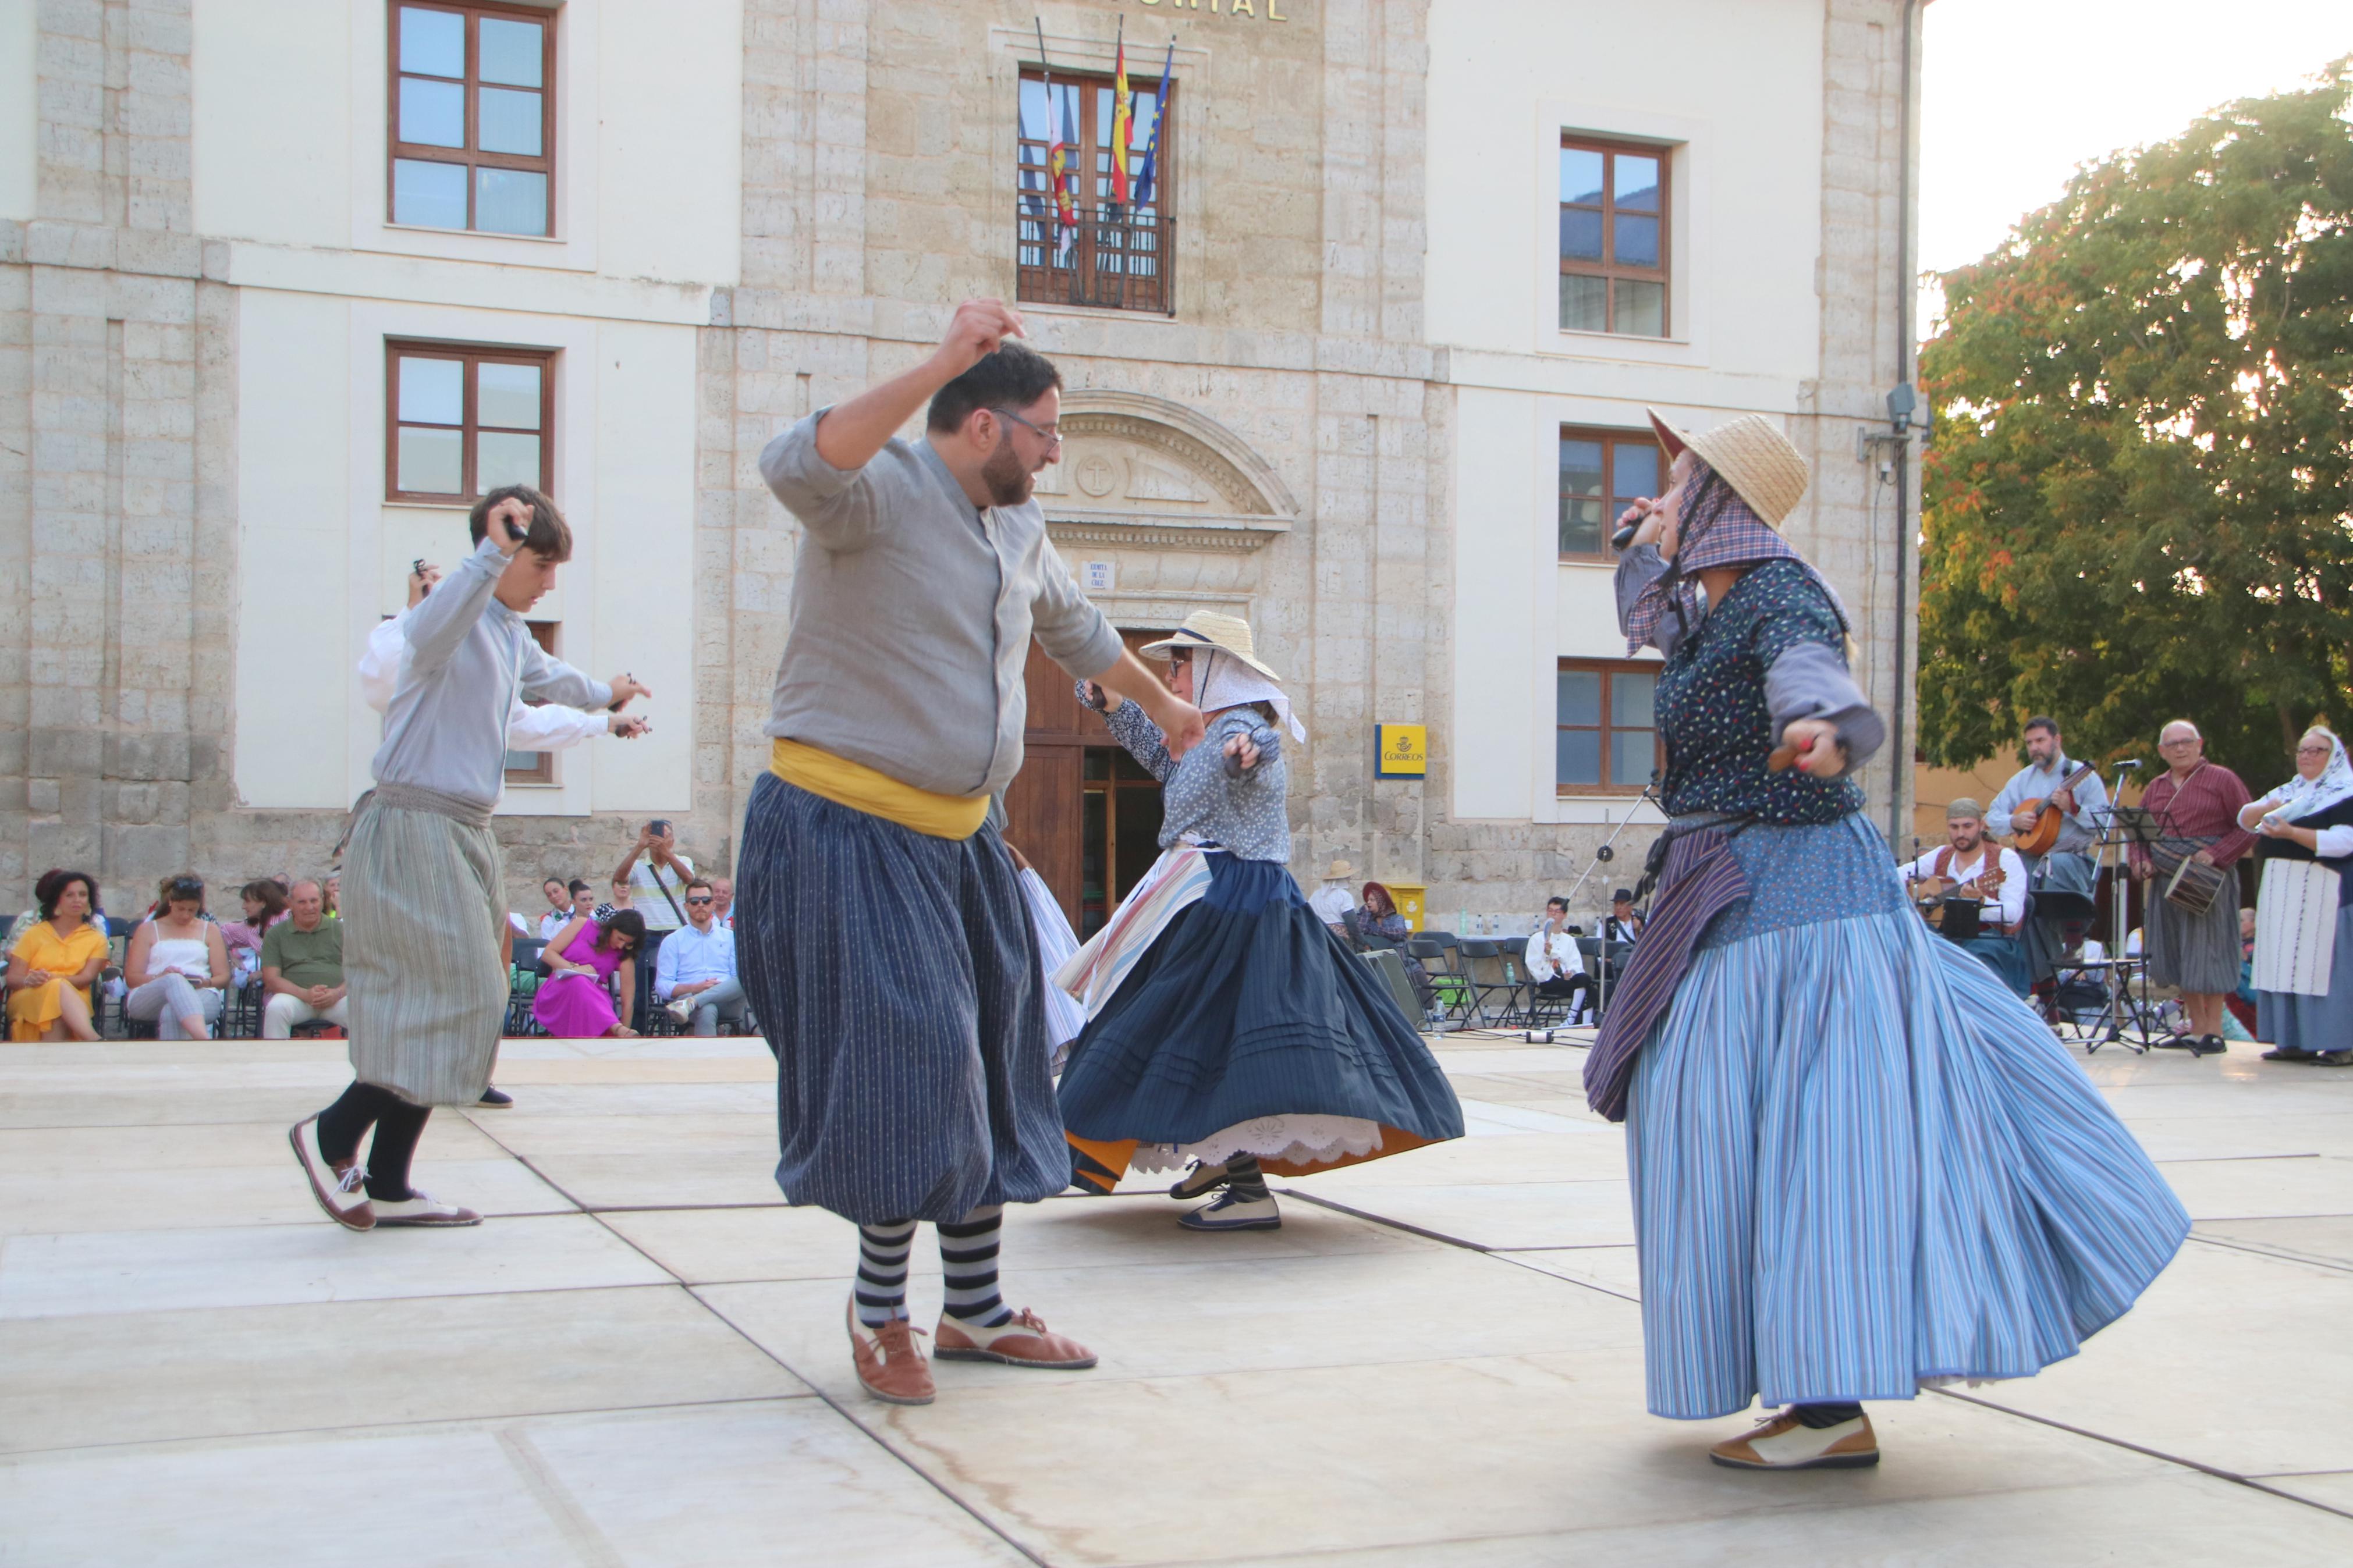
[1143, 472]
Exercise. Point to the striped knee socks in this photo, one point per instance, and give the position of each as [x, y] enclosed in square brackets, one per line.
[1244, 1179]
[882, 1286]
[968, 1259]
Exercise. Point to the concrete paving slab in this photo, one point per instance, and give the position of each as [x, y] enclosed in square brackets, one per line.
[2326, 1239]
[80, 1381]
[2331, 1490]
[161, 1197]
[102, 1272]
[33, 1150]
[1577, 1155]
[2219, 1190]
[1517, 1214]
[1616, 1269]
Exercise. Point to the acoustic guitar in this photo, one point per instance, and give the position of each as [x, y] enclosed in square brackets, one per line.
[2043, 834]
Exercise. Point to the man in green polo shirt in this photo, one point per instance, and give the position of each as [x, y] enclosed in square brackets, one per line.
[302, 966]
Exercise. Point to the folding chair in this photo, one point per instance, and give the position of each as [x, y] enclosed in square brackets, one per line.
[1391, 969]
[1449, 993]
[1489, 979]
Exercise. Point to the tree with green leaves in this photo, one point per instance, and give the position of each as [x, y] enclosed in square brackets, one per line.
[2136, 506]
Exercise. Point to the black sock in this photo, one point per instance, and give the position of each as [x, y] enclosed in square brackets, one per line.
[1244, 1179]
[343, 1124]
[1821, 1415]
[398, 1126]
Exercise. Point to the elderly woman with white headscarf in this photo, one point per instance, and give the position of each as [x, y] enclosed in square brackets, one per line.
[2304, 912]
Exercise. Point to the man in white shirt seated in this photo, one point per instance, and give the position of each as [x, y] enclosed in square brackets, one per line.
[1554, 962]
[1968, 867]
[1333, 900]
[694, 968]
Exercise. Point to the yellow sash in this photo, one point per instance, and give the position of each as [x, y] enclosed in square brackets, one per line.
[860, 788]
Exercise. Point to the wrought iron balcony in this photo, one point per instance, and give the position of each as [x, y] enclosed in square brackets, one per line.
[1113, 257]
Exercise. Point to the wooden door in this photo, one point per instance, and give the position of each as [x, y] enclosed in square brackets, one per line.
[1079, 810]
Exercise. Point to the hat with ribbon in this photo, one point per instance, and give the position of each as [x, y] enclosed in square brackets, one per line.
[1225, 670]
[1208, 629]
[1755, 459]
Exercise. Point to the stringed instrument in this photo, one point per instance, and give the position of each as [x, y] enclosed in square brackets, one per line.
[2043, 837]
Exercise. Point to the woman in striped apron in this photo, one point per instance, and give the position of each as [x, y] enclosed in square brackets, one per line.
[1860, 1165]
[1229, 1027]
[2304, 920]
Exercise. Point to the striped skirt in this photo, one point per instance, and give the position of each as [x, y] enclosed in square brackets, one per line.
[1859, 1165]
[424, 912]
[2294, 1021]
[2201, 954]
[897, 978]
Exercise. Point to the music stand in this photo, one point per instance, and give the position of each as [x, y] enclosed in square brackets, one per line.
[2126, 827]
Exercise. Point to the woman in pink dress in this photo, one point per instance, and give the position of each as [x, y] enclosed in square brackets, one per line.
[573, 1002]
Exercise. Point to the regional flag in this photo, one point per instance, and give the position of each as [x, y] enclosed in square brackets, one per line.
[1122, 127]
[1144, 176]
[1062, 174]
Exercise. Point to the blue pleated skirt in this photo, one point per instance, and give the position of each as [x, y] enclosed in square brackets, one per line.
[2294, 1022]
[1860, 1163]
[1248, 1006]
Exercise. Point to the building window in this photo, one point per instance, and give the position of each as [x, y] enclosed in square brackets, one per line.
[460, 422]
[1602, 472]
[1613, 238]
[534, 767]
[1115, 252]
[1606, 735]
[473, 118]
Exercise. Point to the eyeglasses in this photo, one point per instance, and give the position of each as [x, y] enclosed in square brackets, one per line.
[2312, 751]
[1053, 435]
[703, 899]
[2183, 740]
[186, 888]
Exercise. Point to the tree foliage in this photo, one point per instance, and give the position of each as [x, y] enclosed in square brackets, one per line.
[2136, 506]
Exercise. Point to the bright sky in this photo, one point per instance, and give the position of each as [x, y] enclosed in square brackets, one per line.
[2015, 93]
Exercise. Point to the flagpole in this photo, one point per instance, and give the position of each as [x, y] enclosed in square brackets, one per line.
[1056, 231]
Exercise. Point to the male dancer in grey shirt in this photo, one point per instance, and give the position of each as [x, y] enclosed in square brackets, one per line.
[912, 1077]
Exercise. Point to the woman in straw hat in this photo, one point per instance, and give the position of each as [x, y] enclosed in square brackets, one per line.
[1858, 1164]
[1227, 1026]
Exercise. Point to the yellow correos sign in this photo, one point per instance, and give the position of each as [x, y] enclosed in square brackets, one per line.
[1402, 750]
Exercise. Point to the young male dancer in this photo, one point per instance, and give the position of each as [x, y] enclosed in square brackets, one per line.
[880, 926]
[424, 904]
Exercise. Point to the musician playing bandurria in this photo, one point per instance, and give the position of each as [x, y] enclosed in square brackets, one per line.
[1971, 866]
[2197, 806]
[2069, 868]
[1859, 1166]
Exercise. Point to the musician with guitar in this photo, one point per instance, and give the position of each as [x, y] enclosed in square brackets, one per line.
[2056, 807]
[1970, 871]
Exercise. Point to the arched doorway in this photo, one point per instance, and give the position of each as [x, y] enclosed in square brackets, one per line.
[1084, 812]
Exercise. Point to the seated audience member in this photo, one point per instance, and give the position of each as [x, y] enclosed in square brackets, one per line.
[1333, 902]
[264, 906]
[558, 894]
[32, 917]
[1971, 867]
[330, 893]
[302, 967]
[572, 1003]
[722, 903]
[1624, 924]
[694, 968]
[1375, 922]
[579, 899]
[54, 961]
[1553, 959]
[621, 895]
[177, 968]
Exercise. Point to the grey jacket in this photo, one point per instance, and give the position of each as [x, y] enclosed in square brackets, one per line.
[912, 614]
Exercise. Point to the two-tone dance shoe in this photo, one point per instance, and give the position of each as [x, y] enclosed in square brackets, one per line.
[1232, 1210]
[420, 1208]
[890, 1368]
[340, 1185]
[1783, 1442]
[1022, 1341]
[1199, 1183]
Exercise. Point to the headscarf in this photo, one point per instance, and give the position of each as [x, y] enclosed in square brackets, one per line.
[2301, 797]
[1222, 680]
[1719, 529]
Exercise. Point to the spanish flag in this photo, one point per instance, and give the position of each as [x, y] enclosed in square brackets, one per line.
[1121, 126]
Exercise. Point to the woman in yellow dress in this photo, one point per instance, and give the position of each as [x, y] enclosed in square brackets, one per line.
[52, 965]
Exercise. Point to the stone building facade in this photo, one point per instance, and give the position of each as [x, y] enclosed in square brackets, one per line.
[197, 529]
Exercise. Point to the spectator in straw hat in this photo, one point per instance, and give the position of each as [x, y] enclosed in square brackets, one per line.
[1332, 901]
[1789, 1034]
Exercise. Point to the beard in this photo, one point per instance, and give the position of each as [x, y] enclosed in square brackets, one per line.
[1008, 482]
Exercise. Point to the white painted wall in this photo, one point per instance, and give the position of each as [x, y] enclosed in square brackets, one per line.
[289, 127]
[19, 118]
[1732, 89]
[325, 557]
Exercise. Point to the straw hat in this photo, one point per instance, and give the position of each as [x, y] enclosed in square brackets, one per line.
[1208, 629]
[1755, 459]
[1339, 871]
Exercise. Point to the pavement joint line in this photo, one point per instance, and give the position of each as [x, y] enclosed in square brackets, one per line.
[2220, 1474]
[830, 1403]
[2231, 1159]
[2282, 1254]
[1426, 1234]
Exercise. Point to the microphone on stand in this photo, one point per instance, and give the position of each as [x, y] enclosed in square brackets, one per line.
[2133, 763]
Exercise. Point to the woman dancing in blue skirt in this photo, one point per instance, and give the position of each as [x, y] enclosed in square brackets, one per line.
[1229, 1028]
[1859, 1166]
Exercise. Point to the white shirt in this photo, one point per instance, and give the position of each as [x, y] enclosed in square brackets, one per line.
[1332, 903]
[2008, 906]
[687, 956]
[553, 920]
[646, 893]
[1551, 955]
[548, 728]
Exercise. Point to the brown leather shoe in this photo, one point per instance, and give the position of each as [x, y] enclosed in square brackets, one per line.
[1785, 1443]
[890, 1367]
[1023, 1342]
[337, 1184]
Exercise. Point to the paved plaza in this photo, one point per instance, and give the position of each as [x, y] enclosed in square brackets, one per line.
[1436, 1362]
